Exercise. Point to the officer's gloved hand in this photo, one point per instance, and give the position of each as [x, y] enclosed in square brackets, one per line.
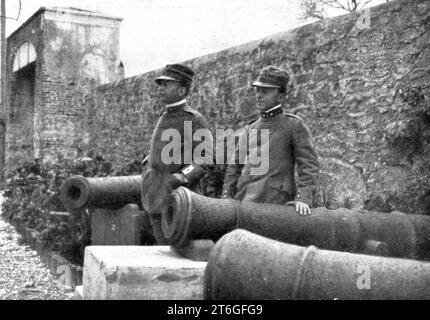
[177, 179]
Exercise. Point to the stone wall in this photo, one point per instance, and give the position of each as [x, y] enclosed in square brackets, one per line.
[361, 83]
[80, 52]
[21, 112]
[76, 50]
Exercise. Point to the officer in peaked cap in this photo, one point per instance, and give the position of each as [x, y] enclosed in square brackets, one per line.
[176, 72]
[161, 176]
[272, 77]
[290, 144]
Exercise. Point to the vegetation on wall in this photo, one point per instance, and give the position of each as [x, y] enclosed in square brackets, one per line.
[32, 200]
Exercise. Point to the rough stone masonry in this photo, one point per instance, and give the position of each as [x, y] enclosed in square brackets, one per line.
[361, 84]
[362, 89]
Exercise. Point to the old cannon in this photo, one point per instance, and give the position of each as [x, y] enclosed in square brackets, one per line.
[192, 216]
[116, 219]
[78, 192]
[243, 265]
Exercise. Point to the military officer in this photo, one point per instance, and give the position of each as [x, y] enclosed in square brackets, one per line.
[289, 144]
[160, 177]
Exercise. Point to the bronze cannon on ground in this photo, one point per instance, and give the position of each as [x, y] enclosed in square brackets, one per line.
[78, 192]
[192, 216]
[243, 265]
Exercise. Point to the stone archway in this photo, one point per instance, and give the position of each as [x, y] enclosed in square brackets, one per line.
[21, 104]
[25, 55]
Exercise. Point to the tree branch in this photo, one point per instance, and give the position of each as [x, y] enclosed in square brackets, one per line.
[334, 4]
[315, 8]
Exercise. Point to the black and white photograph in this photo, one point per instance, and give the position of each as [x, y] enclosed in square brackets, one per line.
[222, 150]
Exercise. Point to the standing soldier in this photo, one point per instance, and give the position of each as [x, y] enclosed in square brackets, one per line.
[161, 175]
[289, 144]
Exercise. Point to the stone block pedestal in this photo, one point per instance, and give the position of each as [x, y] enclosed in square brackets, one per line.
[140, 272]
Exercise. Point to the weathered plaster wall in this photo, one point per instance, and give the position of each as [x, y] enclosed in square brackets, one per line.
[76, 51]
[361, 85]
[80, 52]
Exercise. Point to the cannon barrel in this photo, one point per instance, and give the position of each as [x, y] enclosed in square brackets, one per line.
[243, 265]
[192, 216]
[110, 192]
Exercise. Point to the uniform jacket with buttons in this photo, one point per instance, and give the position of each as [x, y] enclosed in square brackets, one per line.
[156, 173]
[290, 145]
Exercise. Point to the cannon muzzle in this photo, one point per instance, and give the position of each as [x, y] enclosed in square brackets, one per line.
[191, 216]
[243, 265]
[110, 192]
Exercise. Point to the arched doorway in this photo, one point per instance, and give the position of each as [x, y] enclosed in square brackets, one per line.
[21, 104]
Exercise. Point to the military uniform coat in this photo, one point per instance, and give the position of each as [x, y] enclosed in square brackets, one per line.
[290, 144]
[155, 189]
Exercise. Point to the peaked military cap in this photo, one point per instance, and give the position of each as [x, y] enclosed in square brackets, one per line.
[176, 72]
[272, 77]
